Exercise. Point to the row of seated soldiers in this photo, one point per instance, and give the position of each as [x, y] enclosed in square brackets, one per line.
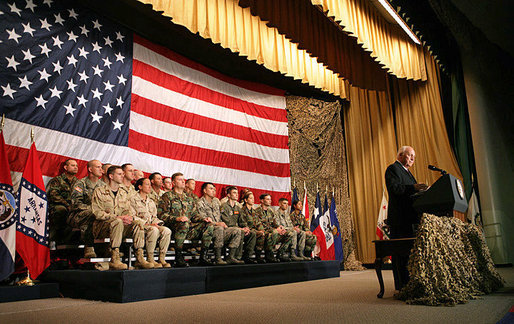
[110, 202]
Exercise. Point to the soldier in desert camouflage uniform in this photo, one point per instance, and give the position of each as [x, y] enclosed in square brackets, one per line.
[275, 233]
[232, 215]
[178, 211]
[143, 207]
[81, 215]
[157, 192]
[111, 206]
[58, 192]
[209, 207]
[128, 178]
[301, 223]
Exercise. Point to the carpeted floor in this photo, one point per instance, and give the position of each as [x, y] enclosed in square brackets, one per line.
[348, 299]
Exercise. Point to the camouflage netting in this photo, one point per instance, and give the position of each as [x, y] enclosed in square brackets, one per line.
[318, 157]
[449, 264]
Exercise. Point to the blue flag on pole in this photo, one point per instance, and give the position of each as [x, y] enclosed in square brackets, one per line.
[294, 198]
[338, 242]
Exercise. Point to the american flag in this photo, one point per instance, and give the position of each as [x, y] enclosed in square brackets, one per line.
[94, 90]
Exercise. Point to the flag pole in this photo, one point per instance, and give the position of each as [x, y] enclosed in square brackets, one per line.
[3, 123]
[31, 135]
[27, 281]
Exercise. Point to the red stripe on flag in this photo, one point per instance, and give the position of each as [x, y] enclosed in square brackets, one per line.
[192, 90]
[192, 154]
[191, 64]
[169, 115]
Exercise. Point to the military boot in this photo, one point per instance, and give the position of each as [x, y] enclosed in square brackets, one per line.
[89, 252]
[294, 257]
[258, 257]
[270, 258]
[162, 260]
[247, 260]
[141, 263]
[115, 263]
[204, 260]
[231, 259]
[150, 258]
[305, 257]
[282, 256]
[219, 260]
[179, 259]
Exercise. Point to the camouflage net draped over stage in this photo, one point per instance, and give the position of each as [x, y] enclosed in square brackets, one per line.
[317, 154]
[449, 264]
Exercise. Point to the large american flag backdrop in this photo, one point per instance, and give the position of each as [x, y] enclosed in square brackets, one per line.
[92, 89]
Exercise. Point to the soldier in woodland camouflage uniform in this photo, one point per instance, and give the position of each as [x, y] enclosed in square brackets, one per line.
[283, 219]
[275, 233]
[209, 207]
[231, 214]
[301, 223]
[190, 189]
[111, 206]
[178, 211]
[254, 223]
[58, 192]
[81, 215]
[157, 192]
[144, 208]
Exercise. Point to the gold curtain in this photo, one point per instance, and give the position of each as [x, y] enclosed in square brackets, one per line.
[233, 27]
[372, 143]
[388, 43]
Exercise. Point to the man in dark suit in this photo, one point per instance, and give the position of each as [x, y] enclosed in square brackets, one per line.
[401, 216]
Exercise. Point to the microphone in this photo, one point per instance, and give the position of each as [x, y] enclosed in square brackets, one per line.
[434, 168]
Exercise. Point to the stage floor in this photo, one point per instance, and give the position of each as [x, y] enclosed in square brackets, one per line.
[136, 285]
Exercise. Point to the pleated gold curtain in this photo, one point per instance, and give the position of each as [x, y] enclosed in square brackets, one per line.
[387, 43]
[372, 142]
[233, 27]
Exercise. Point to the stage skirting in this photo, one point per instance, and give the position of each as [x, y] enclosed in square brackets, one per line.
[135, 285]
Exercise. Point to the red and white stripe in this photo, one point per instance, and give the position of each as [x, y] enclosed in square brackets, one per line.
[184, 118]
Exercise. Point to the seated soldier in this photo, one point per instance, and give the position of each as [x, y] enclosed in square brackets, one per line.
[178, 211]
[209, 207]
[111, 206]
[283, 219]
[128, 178]
[81, 215]
[254, 223]
[300, 223]
[190, 188]
[156, 181]
[166, 184]
[58, 192]
[274, 233]
[144, 208]
[231, 214]
[138, 174]
[105, 179]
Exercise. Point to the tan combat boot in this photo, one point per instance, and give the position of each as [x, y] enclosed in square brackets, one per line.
[162, 259]
[115, 263]
[150, 258]
[89, 252]
[141, 263]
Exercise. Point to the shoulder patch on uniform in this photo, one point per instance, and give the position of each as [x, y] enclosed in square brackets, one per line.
[77, 188]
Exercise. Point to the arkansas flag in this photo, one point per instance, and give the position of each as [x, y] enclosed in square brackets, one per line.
[7, 216]
[382, 217]
[32, 225]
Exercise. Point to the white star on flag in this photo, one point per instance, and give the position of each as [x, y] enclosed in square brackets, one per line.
[108, 109]
[8, 91]
[70, 109]
[25, 83]
[96, 117]
[82, 100]
[119, 102]
[45, 24]
[28, 55]
[28, 29]
[117, 125]
[41, 101]
[13, 35]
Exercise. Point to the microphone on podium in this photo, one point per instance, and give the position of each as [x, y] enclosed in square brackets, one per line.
[434, 168]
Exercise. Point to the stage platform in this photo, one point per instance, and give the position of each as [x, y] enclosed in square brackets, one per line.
[38, 291]
[136, 285]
